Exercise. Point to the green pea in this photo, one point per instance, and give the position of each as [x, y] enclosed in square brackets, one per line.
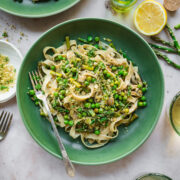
[37, 103]
[58, 58]
[89, 38]
[79, 109]
[116, 103]
[112, 109]
[84, 114]
[66, 117]
[67, 70]
[66, 122]
[101, 110]
[53, 68]
[97, 132]
[93, 80]
[139, 86]
[87, 105]
[124, 98]
[56, 94]
[65, 81]
[58, 79]
[122, 94]
[62, 92]
[144, 83]
[108, 75]
[114, 68]
[86, 83]
[140, 104]
[79, 115]
[93, 106]
[143, 98]
[144, 103]
[31, 92]
[96, 46]
[97, 105]
[116, 96]
[71, 123]
[35, 98]
[121, 72]
[54, 104]
[125, 73]
[61, 97]
[38, 86]
[115, 86]
[74, 70]
[89, 78]
[144, 89]
[90, 100]
[105, 71]
[97, 39]
[121, 67]
[120, 98]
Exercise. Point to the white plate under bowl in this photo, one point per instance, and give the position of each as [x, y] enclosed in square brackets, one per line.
[15, 57]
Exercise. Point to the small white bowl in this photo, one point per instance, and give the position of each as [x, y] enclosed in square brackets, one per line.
[15, 57]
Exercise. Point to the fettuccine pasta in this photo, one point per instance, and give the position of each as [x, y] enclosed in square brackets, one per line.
[91, 90]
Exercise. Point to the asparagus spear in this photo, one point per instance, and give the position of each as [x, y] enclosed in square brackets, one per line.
[176, 44]
[157, 39]
[177, 26]
[170, 50]
[164, 57]
[67, 42]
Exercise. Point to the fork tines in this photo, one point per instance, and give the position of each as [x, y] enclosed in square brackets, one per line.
[33, 78]
[5, 121]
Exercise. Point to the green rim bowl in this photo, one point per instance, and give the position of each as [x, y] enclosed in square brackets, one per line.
[141, 54]
[175, 100]
[155, 176]
[36, 10]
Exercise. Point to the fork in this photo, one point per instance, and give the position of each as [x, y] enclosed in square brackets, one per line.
[68, 164]
[5, 121]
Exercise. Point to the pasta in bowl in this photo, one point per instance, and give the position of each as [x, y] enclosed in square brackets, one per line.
[91, 89]
[138, 56]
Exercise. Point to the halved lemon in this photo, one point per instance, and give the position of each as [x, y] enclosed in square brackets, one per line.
[150, 17]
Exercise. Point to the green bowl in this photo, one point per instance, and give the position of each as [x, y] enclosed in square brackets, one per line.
[36, 10]
[154, 176]
[127, 142]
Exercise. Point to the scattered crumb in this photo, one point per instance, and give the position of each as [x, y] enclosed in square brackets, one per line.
[21, 33]
[5, 34]
[13, 27]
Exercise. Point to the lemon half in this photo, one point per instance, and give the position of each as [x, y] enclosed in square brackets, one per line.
[150, 17]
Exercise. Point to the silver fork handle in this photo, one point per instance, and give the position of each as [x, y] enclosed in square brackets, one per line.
[68, 164]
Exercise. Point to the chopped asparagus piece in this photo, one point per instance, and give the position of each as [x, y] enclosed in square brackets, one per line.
[170, 50]
[157, 39]
[177, 26]
[164, 57]
[176, 44]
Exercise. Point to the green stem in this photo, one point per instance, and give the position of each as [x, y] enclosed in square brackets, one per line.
[177, 26]
[164, 57]
[170, 50]
[159, 40]
[67, 42]
[176, 44]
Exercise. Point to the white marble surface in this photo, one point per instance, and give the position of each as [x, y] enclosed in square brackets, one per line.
[21, 158]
